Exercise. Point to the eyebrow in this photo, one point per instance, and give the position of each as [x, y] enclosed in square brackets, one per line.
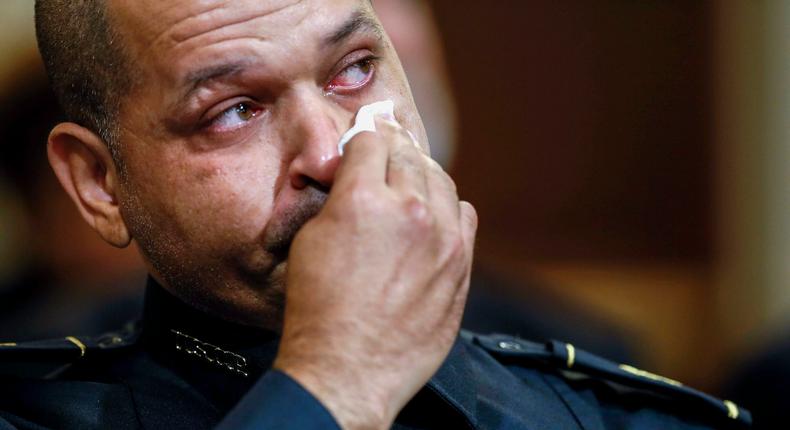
[200, 77]
[358, 22]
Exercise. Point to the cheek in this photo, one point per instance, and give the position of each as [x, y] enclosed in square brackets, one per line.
[214, 201]
[230, 201]
[394, 85]
[407, 115]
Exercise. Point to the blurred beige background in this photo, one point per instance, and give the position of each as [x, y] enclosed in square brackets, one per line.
[635, 156]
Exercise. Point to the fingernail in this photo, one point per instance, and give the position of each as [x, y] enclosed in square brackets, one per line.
[389, 116]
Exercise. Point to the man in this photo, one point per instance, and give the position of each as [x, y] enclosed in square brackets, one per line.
[290, 287]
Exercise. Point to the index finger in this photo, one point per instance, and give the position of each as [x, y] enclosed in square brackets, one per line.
[364, 159]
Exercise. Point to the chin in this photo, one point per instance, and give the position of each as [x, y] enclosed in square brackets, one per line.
[262, 300]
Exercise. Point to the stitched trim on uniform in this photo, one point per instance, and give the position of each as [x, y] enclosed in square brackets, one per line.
[211, 353]
[79, 344]
[571, 354]
[645, 374]
[732, 409]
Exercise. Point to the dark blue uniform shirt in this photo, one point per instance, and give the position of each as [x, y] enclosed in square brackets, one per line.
[181, 369]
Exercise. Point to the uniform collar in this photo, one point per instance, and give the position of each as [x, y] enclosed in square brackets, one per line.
[193, 344]
[173, 330]
[485, 391]
[456, 381]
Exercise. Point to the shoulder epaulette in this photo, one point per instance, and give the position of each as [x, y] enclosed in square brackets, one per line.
[42, 358]
[571, 360]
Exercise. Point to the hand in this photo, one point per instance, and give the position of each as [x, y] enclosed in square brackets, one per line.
[377, 281]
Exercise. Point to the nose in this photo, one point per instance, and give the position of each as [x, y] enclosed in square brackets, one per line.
[316, 124]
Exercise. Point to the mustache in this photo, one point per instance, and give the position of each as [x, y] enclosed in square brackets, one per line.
[281, 231]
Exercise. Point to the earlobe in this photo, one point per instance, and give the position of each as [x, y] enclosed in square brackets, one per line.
[83, 164]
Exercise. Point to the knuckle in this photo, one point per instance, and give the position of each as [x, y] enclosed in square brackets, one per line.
[434, 165]
[361, 140]
[404, 134]
[449, 183]
[456, 250]
[361, 197]
[407, 152]
[440, 174]
[469, 214]
[399, 133]
[387, 127]
[361, 200]
[454, 254]
[351, 184]
[417, 212]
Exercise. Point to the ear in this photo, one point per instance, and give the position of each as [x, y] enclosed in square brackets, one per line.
[83, 164]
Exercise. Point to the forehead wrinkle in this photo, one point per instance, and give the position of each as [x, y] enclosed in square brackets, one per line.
[359, 20]
[168, 28]
[202, 22]
[177, 36]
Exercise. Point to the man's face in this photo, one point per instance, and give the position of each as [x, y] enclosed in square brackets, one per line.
[229, 139]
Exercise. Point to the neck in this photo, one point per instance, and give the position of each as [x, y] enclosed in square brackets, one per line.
[165, 313]
[257, 301]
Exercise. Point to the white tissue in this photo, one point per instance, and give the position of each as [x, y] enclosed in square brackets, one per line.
[364, 120]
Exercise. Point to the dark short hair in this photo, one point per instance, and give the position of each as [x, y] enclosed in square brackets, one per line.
[86, 63]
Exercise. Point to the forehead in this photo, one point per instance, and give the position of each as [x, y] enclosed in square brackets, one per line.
[167, 25]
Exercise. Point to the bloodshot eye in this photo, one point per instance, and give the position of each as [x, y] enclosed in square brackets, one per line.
[353, 76]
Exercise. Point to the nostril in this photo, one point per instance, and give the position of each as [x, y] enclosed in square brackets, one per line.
[299, 182]
[308, 182]
[312, 169]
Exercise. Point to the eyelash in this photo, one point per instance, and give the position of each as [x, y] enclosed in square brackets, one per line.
[237, 107]
[368, 61]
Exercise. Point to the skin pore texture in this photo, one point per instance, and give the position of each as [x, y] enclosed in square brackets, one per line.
[233, 189]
